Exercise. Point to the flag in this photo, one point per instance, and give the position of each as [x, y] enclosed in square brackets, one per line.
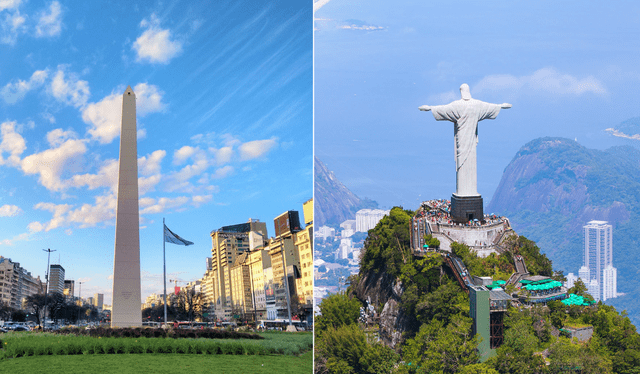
[170, 237]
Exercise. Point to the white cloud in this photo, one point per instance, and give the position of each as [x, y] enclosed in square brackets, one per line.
[50, 23]
[179, 180]
[543, 80]
[104, 117]
[620, 134]
[12, 25]
[51, 163]
[146, 184]
[256, 148]
[58, 136]
[35, 227]
[151, 164]
[12, 143]
[107, 176]
[155, 45]
[222, 155]
[200, 199]
[317, 4]
[153, 206]
[58, 210]
[354, 26]
[183, 154]
[222, 172]
[71, 91]
[9, 4]
[21, 237]
[148, 99]
[89, 215]
[9, 211]
[15, 91]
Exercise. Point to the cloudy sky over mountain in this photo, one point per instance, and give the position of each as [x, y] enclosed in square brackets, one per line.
[569, 69]
[224, 116]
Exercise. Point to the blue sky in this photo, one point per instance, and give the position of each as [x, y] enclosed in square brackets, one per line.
[224, 111]
[569, 68]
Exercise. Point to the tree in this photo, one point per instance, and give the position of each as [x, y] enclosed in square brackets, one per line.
[5, 311]
[337, 310]
[18, 316]
[55, 302]
[579, 288]
[347, 349]
[191, 304]
[581, 358]
[35, 303]
[442, 348]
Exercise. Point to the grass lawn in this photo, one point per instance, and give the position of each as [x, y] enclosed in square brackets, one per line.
[159, 363]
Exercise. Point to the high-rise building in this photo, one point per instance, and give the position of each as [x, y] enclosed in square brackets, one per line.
[228, 242]
[598, 272]
[56, 279]
[69, 288]
[304, 245]
[98, 300]
[366, 219]
[258, 261]
[16, 284]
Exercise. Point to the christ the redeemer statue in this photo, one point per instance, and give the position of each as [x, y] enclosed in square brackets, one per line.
[465, 115]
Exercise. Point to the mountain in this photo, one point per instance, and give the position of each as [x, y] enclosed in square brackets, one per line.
[334, 203]
[554, 186]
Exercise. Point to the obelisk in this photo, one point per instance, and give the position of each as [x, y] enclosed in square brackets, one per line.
[126, 309]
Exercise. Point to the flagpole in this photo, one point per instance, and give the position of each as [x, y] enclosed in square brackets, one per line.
[164, 270]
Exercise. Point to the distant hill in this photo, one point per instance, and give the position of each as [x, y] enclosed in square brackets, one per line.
[554, 186]
[334, 203]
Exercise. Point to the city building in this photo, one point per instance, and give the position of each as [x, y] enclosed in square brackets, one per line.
[151, 301]
[258, 261]
[16, 284]
[284, 257]
[98, 300]
[304, 247]
[270, 293]
[56, 279]
[366, 219]
[324, 232]
[571, 280]
[597, 271]
[242, 297]
[345, 249]
[348, 228]
[69, 289]
[228, 243]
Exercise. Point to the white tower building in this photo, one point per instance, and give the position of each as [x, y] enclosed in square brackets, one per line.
[601, 277]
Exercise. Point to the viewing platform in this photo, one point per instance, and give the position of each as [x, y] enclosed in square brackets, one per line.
[482, 236]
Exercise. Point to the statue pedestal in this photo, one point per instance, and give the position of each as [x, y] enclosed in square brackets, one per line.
[466, 208]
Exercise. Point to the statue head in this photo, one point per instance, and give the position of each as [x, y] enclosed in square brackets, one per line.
[465, 92]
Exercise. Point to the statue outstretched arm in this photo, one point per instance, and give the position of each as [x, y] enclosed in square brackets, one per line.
[425, 108]
[505, 106]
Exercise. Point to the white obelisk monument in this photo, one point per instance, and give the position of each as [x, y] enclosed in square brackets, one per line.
[126, 309]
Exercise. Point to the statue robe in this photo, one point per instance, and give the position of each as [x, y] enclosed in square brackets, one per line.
[465, 115]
